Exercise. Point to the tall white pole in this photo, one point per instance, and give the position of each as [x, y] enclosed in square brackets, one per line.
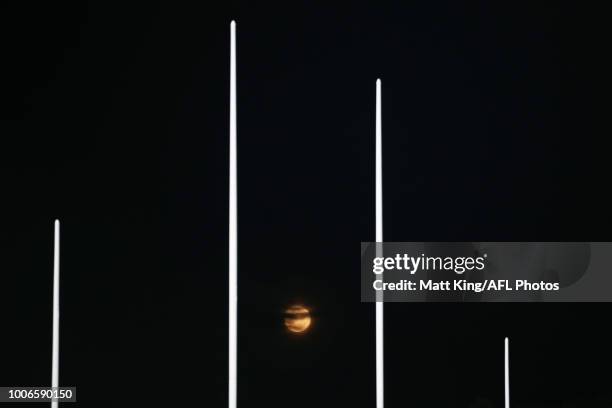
[507, 372]
[233, 229]
[56, 311]
[380, 384]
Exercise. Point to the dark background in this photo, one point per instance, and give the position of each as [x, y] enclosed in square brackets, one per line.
[115, 120]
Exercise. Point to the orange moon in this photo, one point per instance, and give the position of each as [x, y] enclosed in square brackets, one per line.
[297, 319]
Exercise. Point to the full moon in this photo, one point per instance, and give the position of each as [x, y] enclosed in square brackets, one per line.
[297, 319]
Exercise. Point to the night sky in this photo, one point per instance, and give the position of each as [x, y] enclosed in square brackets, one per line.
[114, 119]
